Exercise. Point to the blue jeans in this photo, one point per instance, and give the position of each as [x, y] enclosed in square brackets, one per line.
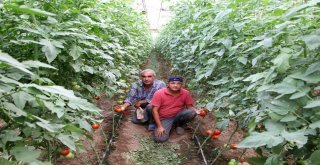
[179, 120]
[147, 115]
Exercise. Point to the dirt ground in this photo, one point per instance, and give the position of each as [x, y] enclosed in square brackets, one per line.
[116, 151]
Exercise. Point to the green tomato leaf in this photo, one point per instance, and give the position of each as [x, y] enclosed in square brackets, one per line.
[282, 61]
[313, 68]
[13, 62]
[6, 162]
[312, 78]
[243, 60]
[55, 109]
[298, 137]
[315, 157]
[283, 88]
[26, 154]
[312, 41]
[84, 124]
[51, 48]
[273, 127]
[37, 64]
[288, 118]
[20, 98]
[13, 110]
[76, 51]
[255, 77]
[315, 125]
[50, 127]
[313, 104]
[53, 89]
[261, 139]
[300, 94]
[273, 160]
[28, 10]
[9, 136]
[67, 140]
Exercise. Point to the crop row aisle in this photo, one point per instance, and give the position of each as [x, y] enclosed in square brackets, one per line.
[256, 62]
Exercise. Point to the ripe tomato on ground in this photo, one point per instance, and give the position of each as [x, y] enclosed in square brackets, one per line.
[95, 126]
[65, 152]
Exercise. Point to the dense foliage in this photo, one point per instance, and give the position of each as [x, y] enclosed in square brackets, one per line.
[49, 47]
[256, 62]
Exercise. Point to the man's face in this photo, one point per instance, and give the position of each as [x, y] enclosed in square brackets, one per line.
[147, 78]
[175, 85]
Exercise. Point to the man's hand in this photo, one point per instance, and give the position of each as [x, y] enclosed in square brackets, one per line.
[124, 106]
[138, 103]
[160, 131]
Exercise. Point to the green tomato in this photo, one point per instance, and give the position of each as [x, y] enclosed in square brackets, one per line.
[76, 87]
[69, 156]
[74, 83]
[122, 96]
[122, 80]
[233, 160]
[120, 101]
[231, 163]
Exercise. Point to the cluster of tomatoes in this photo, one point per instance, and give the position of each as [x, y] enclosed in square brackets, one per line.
[214, 134]
[119, 109]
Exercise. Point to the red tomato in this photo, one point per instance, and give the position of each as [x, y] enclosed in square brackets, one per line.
[64, 152]
[216, 132]
[214, 137]
[95, 126]
[233, 146]
[117, 108]
[209, 132]
[202, 113]
[97, 97]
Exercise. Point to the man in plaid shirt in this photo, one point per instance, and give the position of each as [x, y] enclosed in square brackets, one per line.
[141, 94]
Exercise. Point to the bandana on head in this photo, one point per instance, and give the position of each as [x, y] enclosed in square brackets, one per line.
[175, 78]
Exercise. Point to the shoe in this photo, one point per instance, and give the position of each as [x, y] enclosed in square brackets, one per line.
[151, 127]
[180, 130]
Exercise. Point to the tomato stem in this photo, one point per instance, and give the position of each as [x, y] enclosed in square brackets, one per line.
[225, 148]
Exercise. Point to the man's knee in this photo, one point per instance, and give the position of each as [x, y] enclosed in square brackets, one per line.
[161, 139]
[189, 114]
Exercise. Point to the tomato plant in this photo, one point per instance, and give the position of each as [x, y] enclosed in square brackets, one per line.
[256, 63]
[57, 55]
